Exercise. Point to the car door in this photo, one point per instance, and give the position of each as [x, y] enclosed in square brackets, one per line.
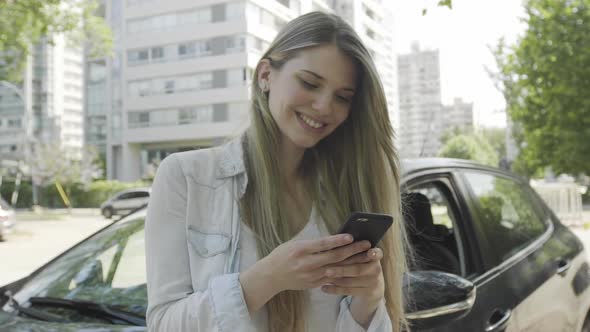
[448, 201]
[141, 198]
[523, 251]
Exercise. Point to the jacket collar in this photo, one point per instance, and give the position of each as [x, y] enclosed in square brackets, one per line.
[230, 162]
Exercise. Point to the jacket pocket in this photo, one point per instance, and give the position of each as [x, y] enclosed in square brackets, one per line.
[208, 244]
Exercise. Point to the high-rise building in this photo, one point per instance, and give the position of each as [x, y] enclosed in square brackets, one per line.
[420, 103]
[53, 93]
[12, 119]
[181, 71]
[459, 115]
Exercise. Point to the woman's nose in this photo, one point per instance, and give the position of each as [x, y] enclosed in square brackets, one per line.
[323, 104]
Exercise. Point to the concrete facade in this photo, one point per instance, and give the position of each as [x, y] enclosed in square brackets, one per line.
[458, 115]
[182, 69]
[52, 91]
[421, 116]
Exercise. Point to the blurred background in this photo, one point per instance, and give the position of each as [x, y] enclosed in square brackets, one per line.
[95, 94]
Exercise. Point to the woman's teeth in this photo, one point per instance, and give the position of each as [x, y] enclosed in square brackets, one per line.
[311, 122]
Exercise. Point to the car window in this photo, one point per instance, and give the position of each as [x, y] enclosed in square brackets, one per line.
[431, 226]
[108, 268]
[142, 194]
[125, 196]
[508, 219]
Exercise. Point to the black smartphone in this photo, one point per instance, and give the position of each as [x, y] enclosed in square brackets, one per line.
[367, 226]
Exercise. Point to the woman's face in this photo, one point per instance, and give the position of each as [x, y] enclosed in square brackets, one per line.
[310, 96]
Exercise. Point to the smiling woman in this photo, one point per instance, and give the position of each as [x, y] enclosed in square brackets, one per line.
[242, 236]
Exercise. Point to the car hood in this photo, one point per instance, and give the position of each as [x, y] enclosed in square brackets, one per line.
[12, 323]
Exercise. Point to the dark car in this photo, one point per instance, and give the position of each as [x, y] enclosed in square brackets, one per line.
[489, 256]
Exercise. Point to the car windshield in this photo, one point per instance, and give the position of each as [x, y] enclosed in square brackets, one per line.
[108, 268]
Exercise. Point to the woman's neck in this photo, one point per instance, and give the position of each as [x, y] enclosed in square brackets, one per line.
[290, 157]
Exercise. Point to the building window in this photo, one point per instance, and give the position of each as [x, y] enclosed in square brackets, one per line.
[137, 56]
[234, 10]
[14, 123]
[182, 116]
[157, 53]
[169, 87]
[167, 22]
[235, 44]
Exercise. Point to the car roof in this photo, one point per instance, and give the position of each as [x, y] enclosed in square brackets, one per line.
[414, 165]
[134, 190]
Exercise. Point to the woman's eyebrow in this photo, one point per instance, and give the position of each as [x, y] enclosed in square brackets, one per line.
[321, 78]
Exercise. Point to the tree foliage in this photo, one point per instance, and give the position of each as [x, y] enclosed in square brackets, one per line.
[67, 169]
[545, 79]
[24, 22]
[471, 147]
[440, 3]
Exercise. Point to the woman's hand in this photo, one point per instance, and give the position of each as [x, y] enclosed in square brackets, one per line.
[362, 277]
[305, 264]
[297, 265]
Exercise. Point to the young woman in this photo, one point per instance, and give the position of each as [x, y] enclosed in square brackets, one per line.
[238, 237]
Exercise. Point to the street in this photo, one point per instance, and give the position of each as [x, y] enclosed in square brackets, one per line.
[35, 242]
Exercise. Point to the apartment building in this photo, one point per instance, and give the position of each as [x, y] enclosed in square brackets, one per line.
[421, 116]
[458, 115]
[52, 93]
[180, 75]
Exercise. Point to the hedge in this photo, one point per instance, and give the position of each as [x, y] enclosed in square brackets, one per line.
[48, 196]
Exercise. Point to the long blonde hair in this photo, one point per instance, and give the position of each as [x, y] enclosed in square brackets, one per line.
[353, 169]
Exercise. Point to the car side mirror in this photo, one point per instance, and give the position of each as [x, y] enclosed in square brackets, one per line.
[436, 298]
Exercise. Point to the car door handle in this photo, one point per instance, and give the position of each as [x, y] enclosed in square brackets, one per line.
[498, 320]
[563, 265]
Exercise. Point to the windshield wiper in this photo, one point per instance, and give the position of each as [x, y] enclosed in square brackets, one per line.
[33, 313]
[90, 308]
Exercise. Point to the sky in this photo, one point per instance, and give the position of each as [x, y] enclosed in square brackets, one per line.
[463, 36]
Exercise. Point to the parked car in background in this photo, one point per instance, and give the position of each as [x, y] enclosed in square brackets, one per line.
[7, 219]
[125, 201]
[490, 256]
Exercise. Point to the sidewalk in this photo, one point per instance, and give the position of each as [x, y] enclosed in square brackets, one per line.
[56, 214]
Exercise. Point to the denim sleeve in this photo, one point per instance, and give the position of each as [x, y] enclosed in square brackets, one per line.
[347, 323]
[173, 305]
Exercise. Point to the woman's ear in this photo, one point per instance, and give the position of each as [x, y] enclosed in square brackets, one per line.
[264, 73]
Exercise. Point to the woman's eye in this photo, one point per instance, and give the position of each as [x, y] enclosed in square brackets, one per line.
[344, 99]
[308, 85]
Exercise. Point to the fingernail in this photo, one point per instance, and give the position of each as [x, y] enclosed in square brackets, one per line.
[348, 238]
[373, 253]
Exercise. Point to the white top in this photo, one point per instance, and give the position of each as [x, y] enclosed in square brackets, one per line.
[323, 310]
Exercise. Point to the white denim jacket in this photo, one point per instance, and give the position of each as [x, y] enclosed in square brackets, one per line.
[192, 250]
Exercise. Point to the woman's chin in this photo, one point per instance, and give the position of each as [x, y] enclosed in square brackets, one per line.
[306, 142]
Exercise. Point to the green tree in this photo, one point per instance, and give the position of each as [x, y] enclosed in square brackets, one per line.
[545, 79]
[24, 22]
[496, 137]
[470, 146]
